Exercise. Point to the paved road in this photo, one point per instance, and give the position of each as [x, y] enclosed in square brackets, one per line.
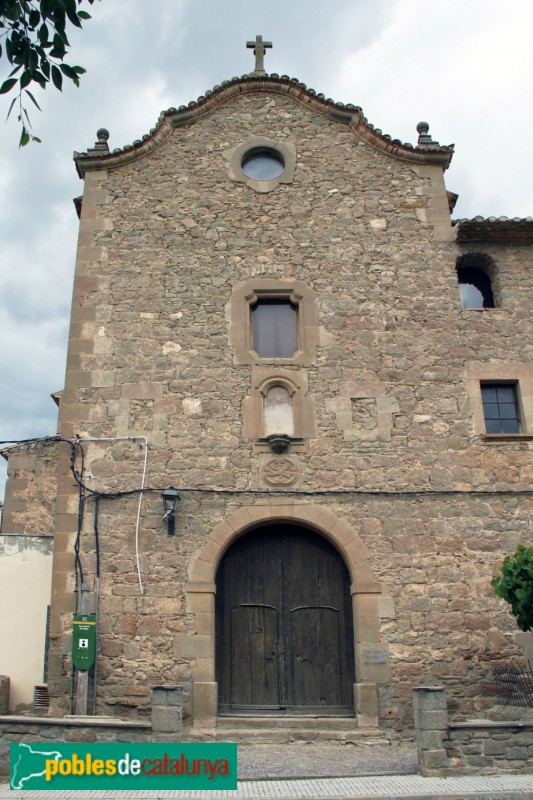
[312, 760]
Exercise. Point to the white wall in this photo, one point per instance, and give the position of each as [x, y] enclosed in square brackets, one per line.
[25, 579]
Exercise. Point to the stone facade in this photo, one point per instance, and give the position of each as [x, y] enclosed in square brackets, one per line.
[31, 489]
[389, 462]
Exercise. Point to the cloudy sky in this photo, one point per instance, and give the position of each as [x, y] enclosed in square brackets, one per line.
[465, 66]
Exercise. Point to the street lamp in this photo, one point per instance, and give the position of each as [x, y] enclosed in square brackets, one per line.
[171, 499]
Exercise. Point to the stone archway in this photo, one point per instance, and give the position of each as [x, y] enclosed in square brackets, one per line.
[284, 625]
[371, 655]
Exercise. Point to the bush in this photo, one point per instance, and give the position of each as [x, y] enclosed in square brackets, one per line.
[515, 585]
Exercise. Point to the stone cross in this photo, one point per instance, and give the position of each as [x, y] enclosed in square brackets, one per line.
[259, 47]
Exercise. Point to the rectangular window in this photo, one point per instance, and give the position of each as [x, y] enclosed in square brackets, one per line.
[275, 328]
[500, 407]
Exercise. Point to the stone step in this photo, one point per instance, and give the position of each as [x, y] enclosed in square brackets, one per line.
[275, 730]
[281, 721]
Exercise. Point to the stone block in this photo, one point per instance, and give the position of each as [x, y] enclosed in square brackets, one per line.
[205, 700]
[516, 753]
[167, 695]
[432, 760]
[194, 646]
[493, 748]
[366, 703]
[430, 740]
[430, 698]
[166, 719]
[386, 608]
[434, 720]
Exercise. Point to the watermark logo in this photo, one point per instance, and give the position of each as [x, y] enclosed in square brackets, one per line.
[123, 766]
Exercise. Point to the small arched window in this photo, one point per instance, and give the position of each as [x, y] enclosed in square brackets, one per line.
[474, 272]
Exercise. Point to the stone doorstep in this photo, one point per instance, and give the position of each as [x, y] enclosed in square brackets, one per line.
[275, 730]
[281, 721]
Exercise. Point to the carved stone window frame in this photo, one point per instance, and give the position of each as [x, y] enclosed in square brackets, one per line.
[235, 156]
[520, 375]
[296, 383]
[246, 294]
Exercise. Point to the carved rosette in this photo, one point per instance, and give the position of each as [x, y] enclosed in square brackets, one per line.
[282, 471]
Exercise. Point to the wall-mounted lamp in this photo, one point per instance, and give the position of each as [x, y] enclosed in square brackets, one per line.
[171, 499]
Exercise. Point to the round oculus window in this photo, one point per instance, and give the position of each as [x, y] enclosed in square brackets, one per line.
[263, 165]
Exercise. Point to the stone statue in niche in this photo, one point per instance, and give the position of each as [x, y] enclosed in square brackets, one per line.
[278, 412]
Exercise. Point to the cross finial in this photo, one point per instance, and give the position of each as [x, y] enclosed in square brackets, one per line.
[259, 47]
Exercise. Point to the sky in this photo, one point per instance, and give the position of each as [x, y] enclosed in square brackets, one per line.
[464, 66]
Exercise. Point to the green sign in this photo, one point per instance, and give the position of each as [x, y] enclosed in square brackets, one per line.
[83, 641]
[108, 767]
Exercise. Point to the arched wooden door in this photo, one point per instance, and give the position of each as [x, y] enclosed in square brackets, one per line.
[284, 625]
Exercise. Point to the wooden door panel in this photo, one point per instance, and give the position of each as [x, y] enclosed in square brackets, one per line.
[255, 656]
[315, 669]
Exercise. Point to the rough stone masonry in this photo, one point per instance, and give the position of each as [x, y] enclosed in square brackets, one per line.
[389, 459]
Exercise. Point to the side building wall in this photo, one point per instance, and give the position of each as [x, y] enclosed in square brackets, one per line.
[26, 549]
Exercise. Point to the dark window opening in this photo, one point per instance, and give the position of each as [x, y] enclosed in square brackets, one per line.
[275, 328]
[475, 288]
[500, 407]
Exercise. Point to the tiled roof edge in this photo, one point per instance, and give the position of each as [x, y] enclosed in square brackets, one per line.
[100, 157]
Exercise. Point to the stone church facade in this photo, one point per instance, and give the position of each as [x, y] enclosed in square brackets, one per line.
[266, 315]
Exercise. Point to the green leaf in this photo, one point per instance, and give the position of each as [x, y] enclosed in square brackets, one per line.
[39, 78]
[11, 107]
[43, 34]
[7, 85]
[57, 78]
[25, 79]
[73, 17]
[45, 67]
[32, 98]
[34, 18]
[84, 15]
[68, 71]
[24, 137]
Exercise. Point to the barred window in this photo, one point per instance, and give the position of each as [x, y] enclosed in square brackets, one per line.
[500, 407]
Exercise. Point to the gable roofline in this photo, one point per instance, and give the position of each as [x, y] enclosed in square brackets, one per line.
[99, 157]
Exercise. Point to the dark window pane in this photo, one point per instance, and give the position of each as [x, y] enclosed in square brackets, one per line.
[274, 328]
[506, 394]
[510, 426]
[491, 410]
[492, 425]
[489, 394]
[507, 411]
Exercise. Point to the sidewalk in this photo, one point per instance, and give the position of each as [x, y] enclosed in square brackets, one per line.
[298, 771]
[381, 787]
